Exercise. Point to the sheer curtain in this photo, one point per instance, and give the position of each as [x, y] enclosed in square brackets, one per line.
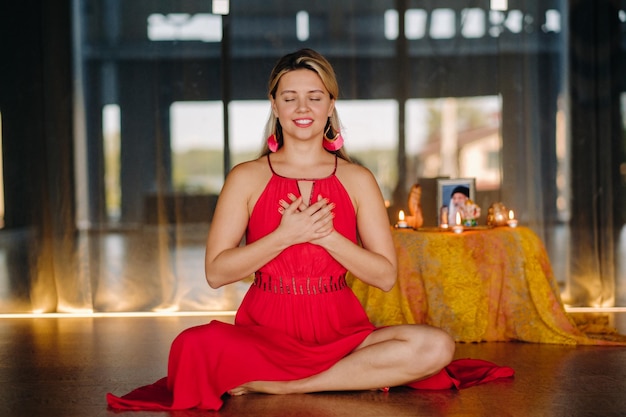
[120, 124]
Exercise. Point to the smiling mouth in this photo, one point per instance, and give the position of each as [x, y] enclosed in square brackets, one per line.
[303, 122]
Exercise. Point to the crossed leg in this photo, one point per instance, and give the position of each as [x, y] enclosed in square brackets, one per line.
[390, 356]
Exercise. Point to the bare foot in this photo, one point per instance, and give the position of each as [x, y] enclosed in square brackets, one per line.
[240, 390]
[263, 387]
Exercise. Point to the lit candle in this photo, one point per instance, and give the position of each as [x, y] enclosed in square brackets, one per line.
[401, 222]
[458, 228]
[512, 222]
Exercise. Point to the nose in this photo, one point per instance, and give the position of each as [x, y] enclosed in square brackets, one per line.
[302, 105]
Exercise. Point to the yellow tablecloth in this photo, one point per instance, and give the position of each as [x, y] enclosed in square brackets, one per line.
[482, 285]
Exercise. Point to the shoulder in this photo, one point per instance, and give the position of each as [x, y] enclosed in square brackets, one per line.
[350, 173]
[358, 181]
[244, 183]
[246, 177]
[251, 166]
[249, 171]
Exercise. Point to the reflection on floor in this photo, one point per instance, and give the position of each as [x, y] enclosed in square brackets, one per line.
[63, 367]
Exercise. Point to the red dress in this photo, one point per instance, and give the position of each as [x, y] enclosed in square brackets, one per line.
[298, 318]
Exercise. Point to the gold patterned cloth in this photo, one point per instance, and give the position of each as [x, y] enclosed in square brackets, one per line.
[481, 285]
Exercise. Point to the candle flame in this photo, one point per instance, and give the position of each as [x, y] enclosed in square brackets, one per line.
[458, 218]
[401, 215]
[511, 215]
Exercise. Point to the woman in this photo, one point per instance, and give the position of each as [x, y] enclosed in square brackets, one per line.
[308, 215]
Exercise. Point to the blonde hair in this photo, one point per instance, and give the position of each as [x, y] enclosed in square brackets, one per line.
[311, 60]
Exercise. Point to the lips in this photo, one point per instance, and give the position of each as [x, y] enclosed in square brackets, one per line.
[303, 122]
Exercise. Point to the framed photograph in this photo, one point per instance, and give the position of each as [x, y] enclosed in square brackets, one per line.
[454, 192]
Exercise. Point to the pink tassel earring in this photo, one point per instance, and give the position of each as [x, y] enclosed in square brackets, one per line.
[333, 144]
[272, 143]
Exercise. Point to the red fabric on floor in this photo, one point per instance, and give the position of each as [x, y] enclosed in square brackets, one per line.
[464, 373]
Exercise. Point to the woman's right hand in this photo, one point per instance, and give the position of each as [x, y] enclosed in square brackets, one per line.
[301, 223]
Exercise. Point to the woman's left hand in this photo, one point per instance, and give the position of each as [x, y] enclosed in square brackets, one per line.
[322, 209]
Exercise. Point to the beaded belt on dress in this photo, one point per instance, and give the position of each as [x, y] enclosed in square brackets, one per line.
[306, 286]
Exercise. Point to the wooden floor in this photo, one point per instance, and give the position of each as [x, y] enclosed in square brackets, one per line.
[64, 367]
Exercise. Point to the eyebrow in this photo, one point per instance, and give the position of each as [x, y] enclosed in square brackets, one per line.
[295, 92]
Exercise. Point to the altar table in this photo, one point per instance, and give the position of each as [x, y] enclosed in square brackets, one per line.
[493, 284]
